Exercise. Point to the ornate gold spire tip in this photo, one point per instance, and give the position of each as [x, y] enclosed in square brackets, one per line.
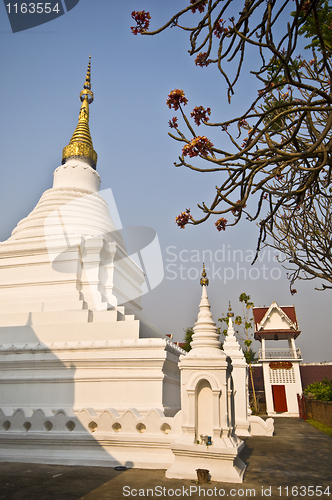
[230, 313]
[80, 145]
[204, 279]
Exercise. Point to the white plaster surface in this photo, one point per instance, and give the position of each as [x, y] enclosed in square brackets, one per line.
[245, 423]
[68, 249]
[104, 438]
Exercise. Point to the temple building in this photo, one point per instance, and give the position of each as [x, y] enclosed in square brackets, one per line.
[85, 380]
[281, 363]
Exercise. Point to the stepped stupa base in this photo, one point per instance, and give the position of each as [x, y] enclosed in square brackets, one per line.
[105, 438]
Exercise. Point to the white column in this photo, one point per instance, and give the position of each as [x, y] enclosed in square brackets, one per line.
[263, 348]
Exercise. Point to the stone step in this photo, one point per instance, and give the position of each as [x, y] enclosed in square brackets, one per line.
[45, 318]
[112, 315]
[59, 305]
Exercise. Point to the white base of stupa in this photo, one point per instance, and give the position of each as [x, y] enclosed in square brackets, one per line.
[242, 428]
[79, 359]
[221, 460]
[106, 438]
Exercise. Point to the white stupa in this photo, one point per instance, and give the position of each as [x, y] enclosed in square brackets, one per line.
[84, 379]
[66, 342]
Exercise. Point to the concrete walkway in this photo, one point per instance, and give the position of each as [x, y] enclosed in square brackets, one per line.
[280, 467]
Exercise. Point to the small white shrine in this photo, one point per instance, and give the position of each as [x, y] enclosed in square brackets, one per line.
[208, 440]
[281, 363]
[245, 423]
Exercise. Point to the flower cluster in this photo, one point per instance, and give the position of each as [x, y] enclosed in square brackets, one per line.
[200, 7]
[306, 6]
[268, 88]
[198, 146]
[183, 218]
[201, 60]
[244, 124]
[237, 210]
[221, 224]
[173, 123]
[199, 114]
[175, 98]
[251, 132]
[220, 29]
[142, 19]
[246, 142]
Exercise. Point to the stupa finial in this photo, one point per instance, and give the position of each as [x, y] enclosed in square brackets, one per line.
[204, 279]
[80, 144]
[230, 313]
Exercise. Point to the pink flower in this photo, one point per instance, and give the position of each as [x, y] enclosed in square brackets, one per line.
[200, 7]
[142, 19]
[237, 210]
[201, 60]
[198, 146]
[183, 218]
[221, 224]
[199, 114]
[175, 98]
[246, 142]
[173, 123]
[220, 29]
[243, 123]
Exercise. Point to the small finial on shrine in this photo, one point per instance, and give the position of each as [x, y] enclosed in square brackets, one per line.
[230, 313]
[204, 279]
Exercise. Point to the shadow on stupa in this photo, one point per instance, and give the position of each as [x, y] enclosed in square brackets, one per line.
[39, 412]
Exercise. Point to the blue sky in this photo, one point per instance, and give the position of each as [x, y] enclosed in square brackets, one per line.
[43, 71]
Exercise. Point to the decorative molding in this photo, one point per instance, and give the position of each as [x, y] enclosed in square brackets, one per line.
[92, 345]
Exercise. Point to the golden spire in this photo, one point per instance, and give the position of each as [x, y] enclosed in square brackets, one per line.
[204, 279]
[80, 144]
[230, 313]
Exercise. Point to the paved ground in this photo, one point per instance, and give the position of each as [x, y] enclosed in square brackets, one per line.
[296, 462]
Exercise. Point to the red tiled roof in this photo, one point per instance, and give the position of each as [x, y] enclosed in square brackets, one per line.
[259, 313]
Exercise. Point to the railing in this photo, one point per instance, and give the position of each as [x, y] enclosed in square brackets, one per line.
[279, 353]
